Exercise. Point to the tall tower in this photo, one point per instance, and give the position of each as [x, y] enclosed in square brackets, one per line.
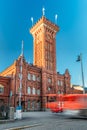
[44, 33]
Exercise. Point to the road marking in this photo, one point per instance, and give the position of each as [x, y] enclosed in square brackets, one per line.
[23, 127]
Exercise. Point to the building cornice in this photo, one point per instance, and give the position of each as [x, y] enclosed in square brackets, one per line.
[44, 22]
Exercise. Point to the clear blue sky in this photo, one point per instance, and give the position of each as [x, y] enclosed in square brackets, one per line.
[15, 23]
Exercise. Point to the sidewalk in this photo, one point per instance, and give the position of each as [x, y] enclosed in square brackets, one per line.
[29, 119]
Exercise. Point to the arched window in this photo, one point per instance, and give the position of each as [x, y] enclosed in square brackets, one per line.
[29, 76]
[33, 91]
[38, 79]
[1, 88]
[34, 77]
[58, 82]
[29, 90]
[61, 83]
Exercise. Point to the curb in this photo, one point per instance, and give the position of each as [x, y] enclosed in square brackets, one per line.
[5, 121]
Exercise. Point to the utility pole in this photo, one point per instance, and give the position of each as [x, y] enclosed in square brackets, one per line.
[79, 59]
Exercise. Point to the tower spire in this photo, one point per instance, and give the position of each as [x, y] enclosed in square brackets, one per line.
[22, 48]
[56, 17]
[32, 20]
[43, 11]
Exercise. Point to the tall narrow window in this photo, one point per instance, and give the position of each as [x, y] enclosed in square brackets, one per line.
[34, 77]
[61, 83]
[29, 90]
[38, 91]
[49, 80]
[38, 78]
[33, 91]
[29, 76]
[1, 89]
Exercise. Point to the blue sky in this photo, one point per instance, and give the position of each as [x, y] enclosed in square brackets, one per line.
[71, 40]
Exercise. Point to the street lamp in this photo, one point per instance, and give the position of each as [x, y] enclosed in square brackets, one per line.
[19, 108]
[79, 59]
[21, 70]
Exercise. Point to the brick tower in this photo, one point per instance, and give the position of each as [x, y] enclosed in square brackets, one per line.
[44, 33]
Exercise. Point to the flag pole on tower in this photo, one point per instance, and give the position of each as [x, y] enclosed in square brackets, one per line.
[56, 17]
[32, 20]
[43, 11]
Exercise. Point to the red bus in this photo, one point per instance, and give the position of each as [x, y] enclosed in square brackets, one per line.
[75, 104]
[69, 104]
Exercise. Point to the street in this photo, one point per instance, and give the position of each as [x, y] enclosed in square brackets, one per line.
[45, 121]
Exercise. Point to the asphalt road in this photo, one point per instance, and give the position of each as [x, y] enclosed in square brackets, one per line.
[45, 121]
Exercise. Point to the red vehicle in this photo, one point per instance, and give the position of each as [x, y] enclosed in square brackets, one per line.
[75, 104]
[55, 106]
[70, 104]
[56, 110]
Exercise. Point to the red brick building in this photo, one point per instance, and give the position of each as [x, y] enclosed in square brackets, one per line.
[39, 78]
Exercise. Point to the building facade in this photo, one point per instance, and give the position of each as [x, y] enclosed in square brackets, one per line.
[38, 79]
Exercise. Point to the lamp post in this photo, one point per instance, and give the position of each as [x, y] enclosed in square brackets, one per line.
[19, 108]
[79, 59]
[21, 69]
